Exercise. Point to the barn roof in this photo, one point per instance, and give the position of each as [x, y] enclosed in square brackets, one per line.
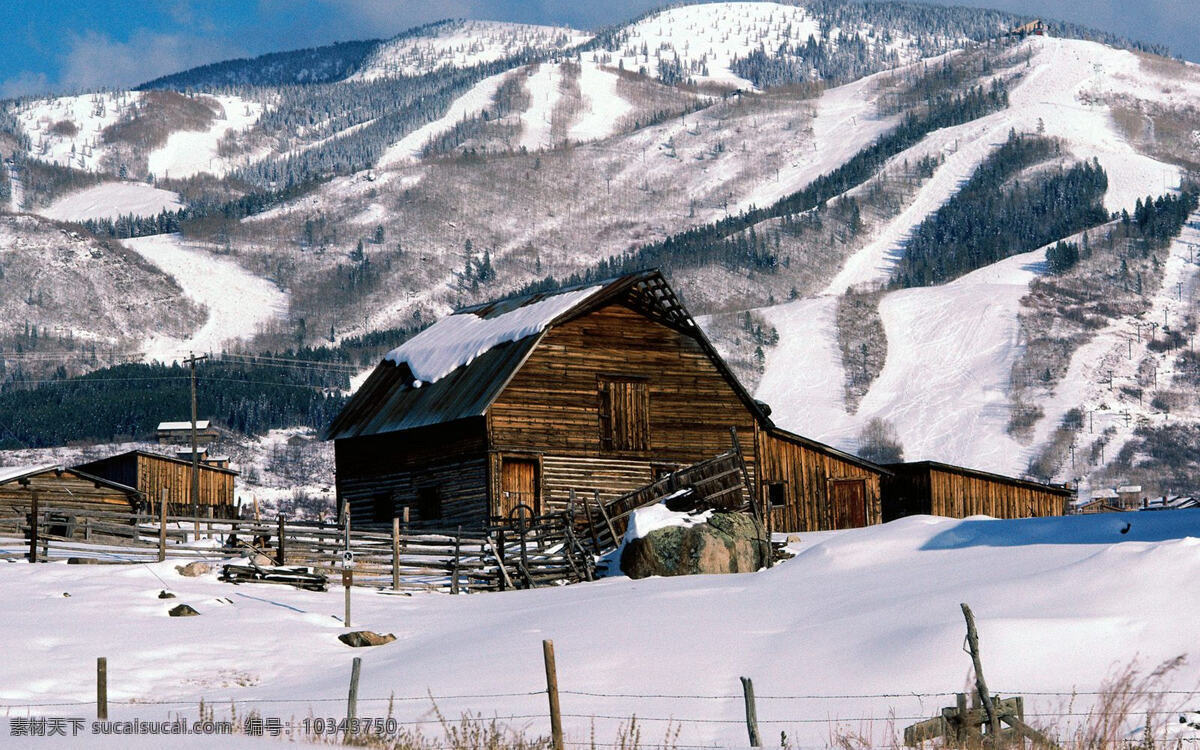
[828, 450]
[457, 367]
[201, 424]
[1052, 488]
[17, 473]
[119, 456]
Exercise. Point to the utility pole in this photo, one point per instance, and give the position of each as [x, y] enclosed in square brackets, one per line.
[191, 362]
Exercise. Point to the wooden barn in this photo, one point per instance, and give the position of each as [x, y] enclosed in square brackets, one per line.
[151, 473]
[932, 488]
[1036, 27]
[58, 487]
[599, 388]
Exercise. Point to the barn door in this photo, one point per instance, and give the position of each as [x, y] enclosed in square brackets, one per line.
[518, 485]
[848, 499]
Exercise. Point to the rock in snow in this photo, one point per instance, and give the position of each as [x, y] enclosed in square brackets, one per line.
[727, 543]
[362, 638]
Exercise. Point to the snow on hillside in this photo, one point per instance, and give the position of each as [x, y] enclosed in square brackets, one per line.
[475, 100]
[110, 200]
[238, 302]
[709, 36]
[66, 130]
[461, 44]
[542, 83]
[951, 348]
[837, 620]
[1114, 355]
[187, 153]
[603, 105]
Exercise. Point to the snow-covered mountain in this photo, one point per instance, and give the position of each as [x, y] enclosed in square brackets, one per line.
[793, 151]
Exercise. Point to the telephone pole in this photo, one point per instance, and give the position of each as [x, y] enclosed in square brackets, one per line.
[191, 362]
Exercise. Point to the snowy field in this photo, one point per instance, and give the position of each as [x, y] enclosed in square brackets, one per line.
[110, 200]
[66, 130]
[857, 613]
[238, 302]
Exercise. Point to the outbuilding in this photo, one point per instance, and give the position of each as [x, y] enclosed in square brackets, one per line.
[933, 488]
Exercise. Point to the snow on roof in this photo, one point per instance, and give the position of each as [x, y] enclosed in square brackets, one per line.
[1103, 494]
[9, 473]
[201, 424]
[458, 339]
[1129, 488]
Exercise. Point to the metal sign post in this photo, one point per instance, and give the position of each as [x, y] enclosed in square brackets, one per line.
[347, 579]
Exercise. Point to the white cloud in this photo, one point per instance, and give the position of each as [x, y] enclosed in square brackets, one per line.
[24, 84]
[95, 60]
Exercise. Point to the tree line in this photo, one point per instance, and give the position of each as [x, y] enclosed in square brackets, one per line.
[990, 219]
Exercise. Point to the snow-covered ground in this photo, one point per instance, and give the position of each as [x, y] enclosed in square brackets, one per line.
[951, 348]
[461, 44]
[66, 130]
[187, 153]
[112, 199]
[712, 35]
[603, 106]
[238, 302]
[543, 84]
[840, 619]
[477, 99]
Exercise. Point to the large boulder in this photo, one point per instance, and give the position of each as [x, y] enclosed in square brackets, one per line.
[194, 569]
[727, 543]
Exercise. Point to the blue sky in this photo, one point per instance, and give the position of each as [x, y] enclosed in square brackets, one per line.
[64, 45]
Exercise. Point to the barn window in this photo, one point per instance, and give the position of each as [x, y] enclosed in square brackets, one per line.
[624, 414]
[777, 494]
[382, 507]
[429, 503]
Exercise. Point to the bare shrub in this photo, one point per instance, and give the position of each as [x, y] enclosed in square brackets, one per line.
[879, 442]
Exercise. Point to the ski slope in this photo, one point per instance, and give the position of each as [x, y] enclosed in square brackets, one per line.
[542, 83]
[112, 199]
[603, 107]
[188, 153]
[839, 619]
[477, 99]
[238, 302]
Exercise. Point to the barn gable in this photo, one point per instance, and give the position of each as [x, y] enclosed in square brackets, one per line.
[456, 368]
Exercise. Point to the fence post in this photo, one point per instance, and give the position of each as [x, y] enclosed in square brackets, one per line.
[454, 572]
[395, 553]
[162, 525]
[980, 684]
[352, 701]
[751, 712]
[281, 550]
[33, 526]
[552, 693]
[102, 688]
[612, 532]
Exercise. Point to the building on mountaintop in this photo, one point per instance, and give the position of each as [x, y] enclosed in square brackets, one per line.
[597, 388]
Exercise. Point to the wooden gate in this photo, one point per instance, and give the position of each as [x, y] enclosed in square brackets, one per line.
[518, 485]
[848, 500]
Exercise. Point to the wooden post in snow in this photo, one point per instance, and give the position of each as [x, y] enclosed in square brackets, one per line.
[980, 684]
[281, 549]
[395, 553]
[162, 524]
[33, 526]
[552, 694]
[751, 712]
[352, 700]
[102, 688]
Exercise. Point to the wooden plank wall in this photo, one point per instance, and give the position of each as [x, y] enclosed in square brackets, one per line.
[154, 474]
[553, 404]
[805, 472]
[450, 457]
[958, 495]
[62, 491]
[612, 477]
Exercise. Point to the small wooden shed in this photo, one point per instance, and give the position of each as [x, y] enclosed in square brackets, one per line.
[932, 488]
[58, 487]
[151, 473]
[180, 433]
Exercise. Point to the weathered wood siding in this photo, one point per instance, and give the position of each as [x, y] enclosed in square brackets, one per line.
[805, 472]
[555, 404]
[933, 490]
[63, 491]
[452, 458]
[155, 474]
